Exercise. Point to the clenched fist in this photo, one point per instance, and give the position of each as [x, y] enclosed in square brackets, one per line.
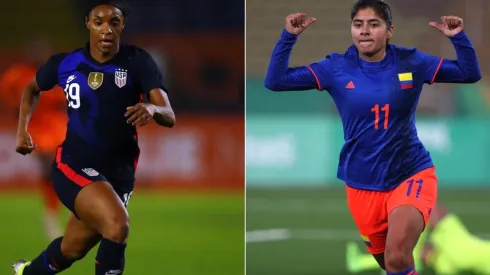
[24, 144]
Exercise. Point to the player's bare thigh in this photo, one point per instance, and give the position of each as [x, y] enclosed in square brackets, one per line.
[99, 207]
[78, 239]
[409, 208]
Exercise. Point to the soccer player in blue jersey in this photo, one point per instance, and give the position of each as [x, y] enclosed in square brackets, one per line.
[389, 175]
[94, 170]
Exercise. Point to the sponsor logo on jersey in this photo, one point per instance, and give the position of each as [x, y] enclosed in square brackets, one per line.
[71, 78]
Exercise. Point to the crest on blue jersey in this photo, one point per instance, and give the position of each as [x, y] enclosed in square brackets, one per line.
[95, 80]
[120, 77]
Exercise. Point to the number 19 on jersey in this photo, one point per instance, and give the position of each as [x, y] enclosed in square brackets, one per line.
[72, 92]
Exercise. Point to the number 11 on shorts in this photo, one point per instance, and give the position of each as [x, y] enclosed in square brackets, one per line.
[419, 187]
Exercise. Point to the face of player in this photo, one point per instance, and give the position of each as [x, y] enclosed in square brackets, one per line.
[370, 34]
[105, 24]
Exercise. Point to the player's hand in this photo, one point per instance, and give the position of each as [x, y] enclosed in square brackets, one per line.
[140, 114]
[449, 26]
[296, 23]
[24, 144]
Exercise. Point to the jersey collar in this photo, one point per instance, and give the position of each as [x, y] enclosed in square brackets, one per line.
[86, 53]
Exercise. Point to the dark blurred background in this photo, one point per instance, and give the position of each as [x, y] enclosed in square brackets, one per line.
[187, 209]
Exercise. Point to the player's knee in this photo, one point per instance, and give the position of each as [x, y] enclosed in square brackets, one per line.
[397, 259]
[117, 228]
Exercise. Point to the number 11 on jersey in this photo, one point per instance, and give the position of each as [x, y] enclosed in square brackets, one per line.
[376, 111]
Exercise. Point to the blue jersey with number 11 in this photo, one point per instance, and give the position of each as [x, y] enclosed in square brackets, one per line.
[376, 102]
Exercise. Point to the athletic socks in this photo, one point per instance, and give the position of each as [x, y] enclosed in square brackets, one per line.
[410, 271]
[51, 261]
[110, 258]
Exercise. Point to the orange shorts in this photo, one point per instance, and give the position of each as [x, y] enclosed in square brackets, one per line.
[370, 209]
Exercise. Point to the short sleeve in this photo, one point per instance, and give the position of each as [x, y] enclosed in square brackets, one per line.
[47, 74]
[322, 71]
[429, 66]
[149, 76]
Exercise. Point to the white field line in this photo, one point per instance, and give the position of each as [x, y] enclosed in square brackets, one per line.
[283, 234]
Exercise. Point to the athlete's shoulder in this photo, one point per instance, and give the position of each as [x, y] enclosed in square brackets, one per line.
[134, 52]
[337, 57]
[349, 57]
[402, 50]
[330, 61]
[334, 56]
[47, 75]
[74, 57]
[57, 58]
[326, 68]
[408, 54]
[148, 71]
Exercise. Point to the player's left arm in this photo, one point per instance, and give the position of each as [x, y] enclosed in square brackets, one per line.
[463, 70]
[164, 114]
[150, 81]
[159, 109]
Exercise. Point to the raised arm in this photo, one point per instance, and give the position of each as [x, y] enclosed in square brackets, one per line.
[280, 77]
[465, 69]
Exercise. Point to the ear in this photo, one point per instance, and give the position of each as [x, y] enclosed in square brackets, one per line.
[391, 30]
[86, 21]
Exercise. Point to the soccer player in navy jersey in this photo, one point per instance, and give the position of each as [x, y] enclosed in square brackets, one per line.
[389, 175]
[94, 169]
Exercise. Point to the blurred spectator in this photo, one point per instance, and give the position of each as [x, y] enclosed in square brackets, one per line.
[47, 127]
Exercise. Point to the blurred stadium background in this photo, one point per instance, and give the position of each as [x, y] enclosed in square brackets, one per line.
[297, 219]
[187, 210]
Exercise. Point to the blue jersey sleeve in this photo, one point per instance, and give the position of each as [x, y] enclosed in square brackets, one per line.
[322, 71]
[281, 77]
[463, 70]
[47, 75]
[430, 66]
[149, 75]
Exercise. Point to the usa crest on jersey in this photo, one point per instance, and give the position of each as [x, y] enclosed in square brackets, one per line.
[121, 77]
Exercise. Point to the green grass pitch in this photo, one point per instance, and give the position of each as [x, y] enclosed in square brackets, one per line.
[304, 231]
[170, 234]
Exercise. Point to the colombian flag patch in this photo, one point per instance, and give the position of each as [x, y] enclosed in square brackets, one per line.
[406, 80]
[366, 240]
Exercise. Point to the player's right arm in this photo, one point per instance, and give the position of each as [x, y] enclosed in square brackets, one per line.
[45, 79]
[281, 77]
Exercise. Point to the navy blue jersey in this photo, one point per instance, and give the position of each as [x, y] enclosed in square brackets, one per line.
[376, 102]
[97, 95]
